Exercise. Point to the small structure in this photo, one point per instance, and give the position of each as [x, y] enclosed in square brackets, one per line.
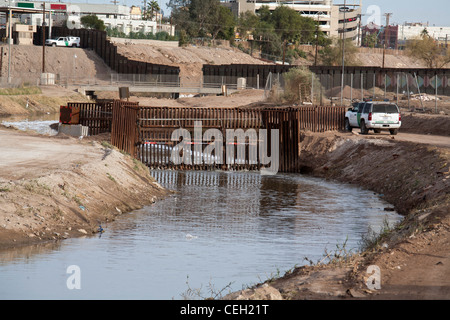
[23, 34]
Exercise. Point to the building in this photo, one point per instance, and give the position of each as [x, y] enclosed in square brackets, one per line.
[125, 19]
[410, 31]
[334, 19]
[381, 36]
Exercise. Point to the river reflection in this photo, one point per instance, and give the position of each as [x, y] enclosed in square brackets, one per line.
[217, 228]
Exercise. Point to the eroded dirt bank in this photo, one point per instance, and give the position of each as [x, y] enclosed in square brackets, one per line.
[413, 257]
[58, 187]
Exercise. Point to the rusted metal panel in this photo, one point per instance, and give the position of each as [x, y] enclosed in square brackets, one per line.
[146, 132]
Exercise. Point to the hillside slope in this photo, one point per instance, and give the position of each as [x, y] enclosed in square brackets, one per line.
[26, 63]
[190, 60]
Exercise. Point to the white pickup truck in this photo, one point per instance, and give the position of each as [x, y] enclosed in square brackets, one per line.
[373, 115]
[63, 42]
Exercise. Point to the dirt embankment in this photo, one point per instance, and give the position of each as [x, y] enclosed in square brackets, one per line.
[59, 187]
[47, 100]
[66, 63]
[413, 257]
[189, 59]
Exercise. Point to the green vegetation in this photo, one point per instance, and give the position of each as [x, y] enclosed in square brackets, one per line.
[276, 33]
[106, 144]
[331, 55]
[202, 19]
[372, 239]
[110, 177]
[151, 10]
[428, 50]
[4, 189]
[162, 35]
[20, 91]
[93, 22]
[298, 84]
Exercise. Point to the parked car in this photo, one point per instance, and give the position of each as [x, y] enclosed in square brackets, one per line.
[63, 42]
[374, 115]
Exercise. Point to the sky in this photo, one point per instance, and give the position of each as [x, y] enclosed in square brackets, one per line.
[435, 12]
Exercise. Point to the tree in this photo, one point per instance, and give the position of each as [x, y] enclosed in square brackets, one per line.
[224, 24]
[93, 22]
[246, 23]
[203, 18]
[428, 50]
[151, 10]
[370, 40]
[299, 83]
[273, 30]
[331, 55]
[292, 26]
[203, 13]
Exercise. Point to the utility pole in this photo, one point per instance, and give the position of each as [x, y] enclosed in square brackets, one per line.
[388, 15]
[343, 54]
[317, 39]
[9, 41]
[43, 37]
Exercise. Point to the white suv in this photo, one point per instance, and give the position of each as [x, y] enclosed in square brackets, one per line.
[374, 115]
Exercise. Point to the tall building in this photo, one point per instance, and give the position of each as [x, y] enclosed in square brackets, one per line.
[334, 19]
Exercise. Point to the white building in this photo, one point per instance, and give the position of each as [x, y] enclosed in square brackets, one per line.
[411, 31]
[332, 17]
[125, 19]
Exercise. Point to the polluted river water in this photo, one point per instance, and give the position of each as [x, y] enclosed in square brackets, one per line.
[218, 232]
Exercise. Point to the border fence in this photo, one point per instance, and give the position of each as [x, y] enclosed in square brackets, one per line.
[406, 84]
[147, 133]
[98, 42]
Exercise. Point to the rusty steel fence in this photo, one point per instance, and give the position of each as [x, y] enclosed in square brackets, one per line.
[321, 119]
[209, 138]
[124, 126]
[95, 115]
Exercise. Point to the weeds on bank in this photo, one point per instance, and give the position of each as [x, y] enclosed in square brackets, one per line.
[110, 177]
[35, 187]
[139, 165]
[338, 256]
[197, 293]
[20, 91]
[107, 145]
[78, 201]
[5, 189]
[372, 240]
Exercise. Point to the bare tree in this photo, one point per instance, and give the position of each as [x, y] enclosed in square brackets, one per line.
[427, 49]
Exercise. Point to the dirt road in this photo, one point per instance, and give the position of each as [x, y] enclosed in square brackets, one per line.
[30, 156]
[432, 140]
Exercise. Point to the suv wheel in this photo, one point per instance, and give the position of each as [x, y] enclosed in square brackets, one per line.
[377, 130]
[393, 131]
[364, 129]
[348, 128]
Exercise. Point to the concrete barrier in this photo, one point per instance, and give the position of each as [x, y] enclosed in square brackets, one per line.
[76, 130]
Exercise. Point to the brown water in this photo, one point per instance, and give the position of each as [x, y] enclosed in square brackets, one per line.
[218, 228]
